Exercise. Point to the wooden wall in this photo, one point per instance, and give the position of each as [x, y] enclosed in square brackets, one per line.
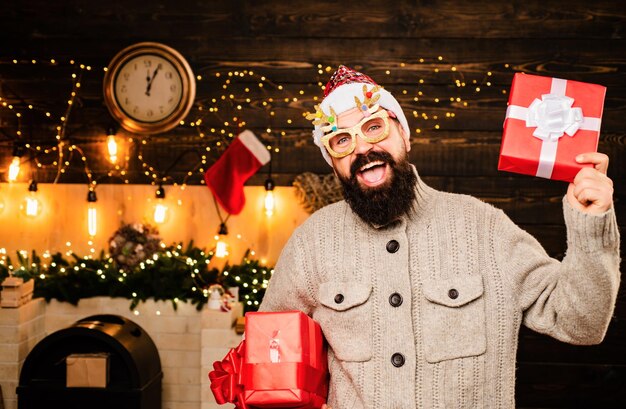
[285, 41]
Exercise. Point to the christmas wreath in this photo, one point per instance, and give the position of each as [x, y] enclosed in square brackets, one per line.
[133, 243]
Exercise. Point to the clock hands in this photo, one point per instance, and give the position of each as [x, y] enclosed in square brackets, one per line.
[151, 79]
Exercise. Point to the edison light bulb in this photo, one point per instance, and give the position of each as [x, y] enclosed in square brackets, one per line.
[112, 147]
[269, 197]
[160, 209]
[31, 204]
[221, 249]
[14, 169]
[160, 212]
[92, 213]
[269, 203]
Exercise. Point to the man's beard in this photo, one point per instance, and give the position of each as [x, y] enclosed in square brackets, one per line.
[382, 204]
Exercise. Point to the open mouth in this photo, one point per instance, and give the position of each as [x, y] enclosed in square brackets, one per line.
[373, 173]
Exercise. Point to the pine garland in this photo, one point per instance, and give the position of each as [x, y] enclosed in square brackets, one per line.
[172, 273]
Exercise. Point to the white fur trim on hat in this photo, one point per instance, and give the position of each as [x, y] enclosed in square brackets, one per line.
[342, 100]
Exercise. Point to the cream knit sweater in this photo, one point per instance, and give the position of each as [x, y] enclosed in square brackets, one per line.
[466, 277]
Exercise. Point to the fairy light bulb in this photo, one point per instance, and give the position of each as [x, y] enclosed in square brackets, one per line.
[32, 205]
[160, 209]
[112, 146]
[269, 197]
[92, 213]
[221, 248]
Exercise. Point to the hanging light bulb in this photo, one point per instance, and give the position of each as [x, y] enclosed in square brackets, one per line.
[31, 205]
[92, 215]
[112, 146]
[14, 167]
[221, 248]
[160, 209]
[269, 197]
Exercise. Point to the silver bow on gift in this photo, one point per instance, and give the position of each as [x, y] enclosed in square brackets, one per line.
[553, 116]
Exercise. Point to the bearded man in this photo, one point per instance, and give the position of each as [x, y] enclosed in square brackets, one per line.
[421, 293]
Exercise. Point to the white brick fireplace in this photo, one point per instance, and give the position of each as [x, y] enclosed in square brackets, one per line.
[188, 342]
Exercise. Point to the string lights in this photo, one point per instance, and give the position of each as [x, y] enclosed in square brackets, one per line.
[185, 274]
[218, 118]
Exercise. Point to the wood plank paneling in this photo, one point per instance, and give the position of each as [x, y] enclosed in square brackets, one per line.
[285, 42]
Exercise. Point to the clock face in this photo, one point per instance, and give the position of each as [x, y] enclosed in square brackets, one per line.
[148, 88]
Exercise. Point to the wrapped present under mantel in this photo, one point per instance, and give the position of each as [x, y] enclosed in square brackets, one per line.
[16, 292]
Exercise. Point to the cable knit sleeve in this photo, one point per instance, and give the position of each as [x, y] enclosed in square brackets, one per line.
[571, 300]
[289, 287]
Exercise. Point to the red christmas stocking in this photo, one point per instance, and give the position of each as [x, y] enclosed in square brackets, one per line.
[226, 177]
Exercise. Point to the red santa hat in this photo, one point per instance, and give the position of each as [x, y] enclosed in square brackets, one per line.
[344, 87]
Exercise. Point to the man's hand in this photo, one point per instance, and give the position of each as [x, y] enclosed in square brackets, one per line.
[592, 190]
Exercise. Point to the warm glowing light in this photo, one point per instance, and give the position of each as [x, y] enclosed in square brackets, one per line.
[14, 169]
[112, 147]
[92, 213]
[269, 203]
[32, 206]
[160, 209]
[221, 248]
[160, 212]
[269, 196]
[92, 219]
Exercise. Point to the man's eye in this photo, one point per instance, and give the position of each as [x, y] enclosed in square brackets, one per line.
[343, 140]
[373, 128]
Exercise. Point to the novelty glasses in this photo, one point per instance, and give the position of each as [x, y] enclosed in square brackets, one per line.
[372, 129]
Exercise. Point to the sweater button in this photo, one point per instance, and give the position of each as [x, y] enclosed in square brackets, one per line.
[339, 298]
[393, 246]
[397, 360]
[454, 294]
[395, 300]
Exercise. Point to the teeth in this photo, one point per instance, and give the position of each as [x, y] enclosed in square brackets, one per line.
[371, 165]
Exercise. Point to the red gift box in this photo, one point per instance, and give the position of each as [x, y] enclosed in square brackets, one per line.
[281, 364]
[285, 361]
[549, 121]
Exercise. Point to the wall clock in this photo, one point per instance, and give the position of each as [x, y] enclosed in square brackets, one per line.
[149, 88]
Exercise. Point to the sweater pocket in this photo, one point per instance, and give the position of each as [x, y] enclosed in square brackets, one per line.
[454, 318]
[345, 317]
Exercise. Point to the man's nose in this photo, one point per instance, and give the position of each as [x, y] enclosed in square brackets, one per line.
[362, 146]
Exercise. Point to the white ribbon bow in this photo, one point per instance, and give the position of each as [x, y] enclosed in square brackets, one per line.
[553, 115]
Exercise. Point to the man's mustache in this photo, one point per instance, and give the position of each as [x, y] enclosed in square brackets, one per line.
[362, 160]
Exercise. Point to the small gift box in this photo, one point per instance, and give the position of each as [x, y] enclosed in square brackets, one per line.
[87, 370]
[549, 121]
[281, 364]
